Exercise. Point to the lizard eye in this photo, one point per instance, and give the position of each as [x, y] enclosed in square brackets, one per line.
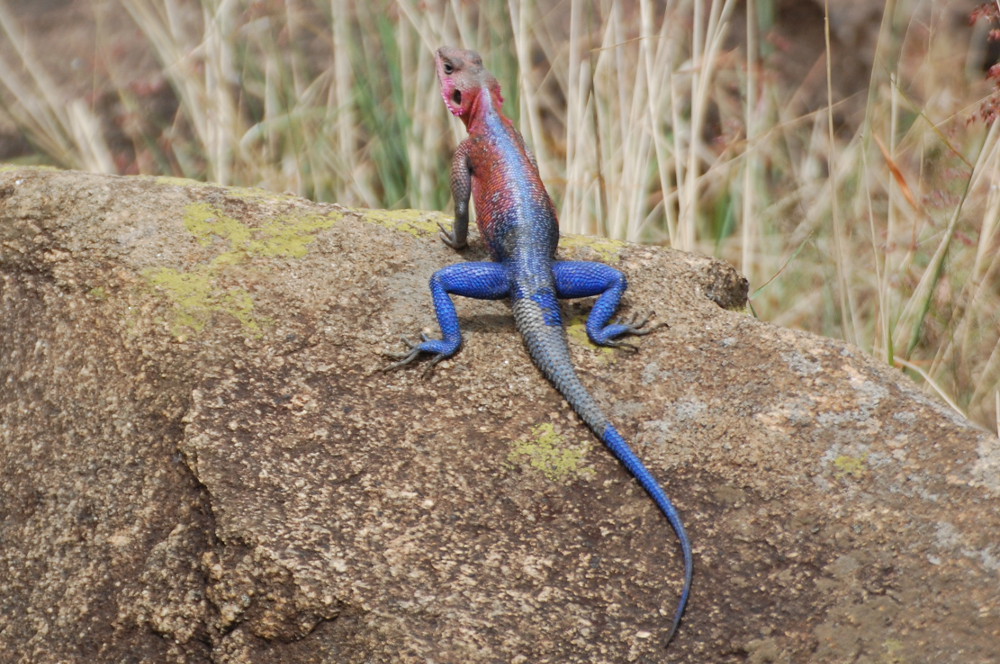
[448, 69]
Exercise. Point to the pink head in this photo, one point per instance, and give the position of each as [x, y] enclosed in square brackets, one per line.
[463, 80]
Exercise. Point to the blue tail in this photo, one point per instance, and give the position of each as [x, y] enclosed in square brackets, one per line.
[621, 449]
[537, 317]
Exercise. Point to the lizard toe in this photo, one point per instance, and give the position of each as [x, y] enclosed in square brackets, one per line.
[448, 237]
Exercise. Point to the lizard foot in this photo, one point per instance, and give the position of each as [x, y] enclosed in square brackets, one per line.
[610, 335]
[639, 327]
[438, 348]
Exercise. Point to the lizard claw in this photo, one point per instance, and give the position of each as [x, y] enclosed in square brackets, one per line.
[448, 237]
[636, 326]
[437, 348]
[624, 345]
[405, 357]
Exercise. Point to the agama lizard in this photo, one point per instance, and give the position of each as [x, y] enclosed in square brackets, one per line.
[517, 220]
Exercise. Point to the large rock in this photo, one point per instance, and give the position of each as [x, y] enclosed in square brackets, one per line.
[202, 461]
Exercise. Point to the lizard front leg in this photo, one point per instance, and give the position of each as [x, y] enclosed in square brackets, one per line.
[584, 279]
[483, 281]
[461, 189]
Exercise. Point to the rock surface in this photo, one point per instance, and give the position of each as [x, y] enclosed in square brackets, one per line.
[202, 461]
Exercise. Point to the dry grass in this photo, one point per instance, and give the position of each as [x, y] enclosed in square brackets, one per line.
[647, 123]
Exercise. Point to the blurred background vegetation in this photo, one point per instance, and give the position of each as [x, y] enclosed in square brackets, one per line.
[846, 162]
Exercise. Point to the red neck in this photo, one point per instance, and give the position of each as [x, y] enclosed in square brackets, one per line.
[487, 102]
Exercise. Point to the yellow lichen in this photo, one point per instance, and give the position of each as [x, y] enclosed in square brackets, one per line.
[286, 236]
[290, 236]
[549, 453]
[849, 465]
[174, 181]
[209, 224]
[196, 294]
[196, 297]
[609, 251]
[576, 330]
[417, 223]
[893, 652]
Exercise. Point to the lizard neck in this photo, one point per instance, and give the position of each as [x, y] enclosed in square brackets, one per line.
[486, 109]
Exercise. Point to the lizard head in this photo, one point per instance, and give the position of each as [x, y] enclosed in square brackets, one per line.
[463, 79]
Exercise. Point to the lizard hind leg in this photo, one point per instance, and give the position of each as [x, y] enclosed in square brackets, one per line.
[584, 279]
[483, 281]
